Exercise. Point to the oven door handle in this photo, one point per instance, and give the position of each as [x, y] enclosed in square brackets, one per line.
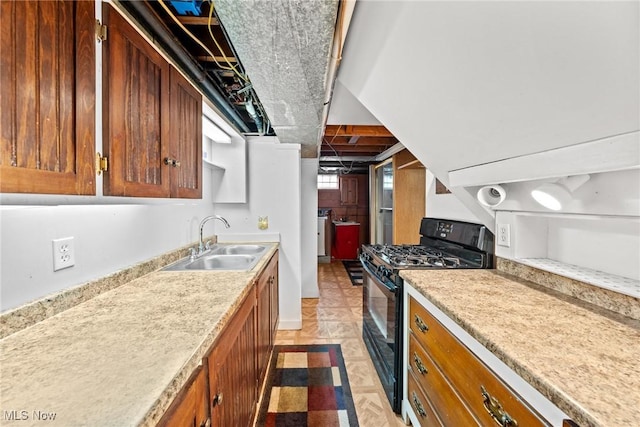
[389, 285]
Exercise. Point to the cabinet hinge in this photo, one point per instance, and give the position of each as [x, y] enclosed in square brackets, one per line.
[101, 31]
[102, 164]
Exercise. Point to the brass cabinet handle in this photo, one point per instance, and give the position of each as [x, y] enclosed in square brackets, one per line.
[171, 162]
[494, 408]
[420, 323]
[217, 400]
[419, 365]
[418, 405]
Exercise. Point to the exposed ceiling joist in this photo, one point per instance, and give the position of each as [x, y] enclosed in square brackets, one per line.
[362, 140]
[198, 20]
[217, 59]
[356, 130]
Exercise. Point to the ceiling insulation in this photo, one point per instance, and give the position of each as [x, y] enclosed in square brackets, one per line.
[285, 47]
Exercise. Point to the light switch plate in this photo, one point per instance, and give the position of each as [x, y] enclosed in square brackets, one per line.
[504, 235]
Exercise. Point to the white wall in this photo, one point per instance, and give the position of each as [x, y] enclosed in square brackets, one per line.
[494, 80]
[275, 191]
[107, 237]
[309, 221]
[445, 205]
[598, 230]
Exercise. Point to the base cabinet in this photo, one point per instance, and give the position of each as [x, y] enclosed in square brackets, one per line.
[439, 392]
[267, 314]
[346, 241]
[190, 407]
[232, 370]
[224, 391]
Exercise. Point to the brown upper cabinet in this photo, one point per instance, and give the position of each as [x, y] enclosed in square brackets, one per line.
[47, 88]
[348, 190]
[152, 119]
[409, 198]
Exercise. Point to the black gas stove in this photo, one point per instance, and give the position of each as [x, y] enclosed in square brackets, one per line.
[444, 244]
[417, 256]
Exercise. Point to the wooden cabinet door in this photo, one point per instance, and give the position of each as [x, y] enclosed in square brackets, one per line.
[190, 408]
[232, 370]
[47, 93]
[186, 138]
[136, 112]
[263, 341]
[275, 299]
[348, 190]
[408, 198]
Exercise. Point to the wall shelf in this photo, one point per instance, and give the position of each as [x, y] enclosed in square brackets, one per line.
[597, 278]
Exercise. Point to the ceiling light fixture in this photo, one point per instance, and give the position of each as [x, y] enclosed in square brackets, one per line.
[213, 132]
[491, 195]
[557, 194]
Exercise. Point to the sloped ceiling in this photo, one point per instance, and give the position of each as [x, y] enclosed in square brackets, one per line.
[285, 47]
[494, 80]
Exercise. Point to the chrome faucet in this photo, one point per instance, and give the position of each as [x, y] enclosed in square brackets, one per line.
[205, 246]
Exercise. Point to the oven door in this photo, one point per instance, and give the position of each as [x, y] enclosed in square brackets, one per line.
[381, 331]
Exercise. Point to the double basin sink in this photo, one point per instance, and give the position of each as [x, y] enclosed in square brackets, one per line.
[224, 256]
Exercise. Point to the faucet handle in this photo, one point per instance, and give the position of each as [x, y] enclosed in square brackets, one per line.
[192, 253]
[207, 245]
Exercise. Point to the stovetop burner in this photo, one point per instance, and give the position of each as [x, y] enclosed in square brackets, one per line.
[418, 256]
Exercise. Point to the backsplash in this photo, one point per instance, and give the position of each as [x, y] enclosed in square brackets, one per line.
[33, 312]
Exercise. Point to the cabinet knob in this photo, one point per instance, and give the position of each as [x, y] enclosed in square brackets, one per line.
[206, 423]
[171, 162]
[217, 400]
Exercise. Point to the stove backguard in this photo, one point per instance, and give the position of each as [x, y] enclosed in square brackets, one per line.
[466, 234]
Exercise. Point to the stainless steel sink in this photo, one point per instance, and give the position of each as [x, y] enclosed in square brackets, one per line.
[239, 257]
[239, 249]
[222, 262]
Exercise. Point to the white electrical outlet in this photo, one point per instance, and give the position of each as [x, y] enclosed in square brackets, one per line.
[63, 254]
[504, 235]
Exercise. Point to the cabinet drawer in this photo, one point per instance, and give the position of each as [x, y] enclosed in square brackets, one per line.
[420, 405]
[478, 387]
[446, 402]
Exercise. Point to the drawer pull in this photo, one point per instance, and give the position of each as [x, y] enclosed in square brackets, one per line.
[418, 405]
[494, 408]
[419, 365]
[420, 323]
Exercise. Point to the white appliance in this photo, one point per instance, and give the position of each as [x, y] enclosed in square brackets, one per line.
[322, 222]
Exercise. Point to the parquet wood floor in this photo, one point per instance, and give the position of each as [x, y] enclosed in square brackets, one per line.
[335, 318]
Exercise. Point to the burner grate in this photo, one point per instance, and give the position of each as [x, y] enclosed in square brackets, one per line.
[415, 256]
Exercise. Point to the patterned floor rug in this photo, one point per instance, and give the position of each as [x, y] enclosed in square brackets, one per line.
[307, 387]
[354, 269]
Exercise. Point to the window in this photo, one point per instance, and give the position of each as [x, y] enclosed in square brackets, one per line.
[328, 182]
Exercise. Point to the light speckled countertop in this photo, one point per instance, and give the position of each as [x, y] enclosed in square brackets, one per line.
[120, 358]
[581, 357]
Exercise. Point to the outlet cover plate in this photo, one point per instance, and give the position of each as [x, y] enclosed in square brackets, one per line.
[63, 253]
[504, 235]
